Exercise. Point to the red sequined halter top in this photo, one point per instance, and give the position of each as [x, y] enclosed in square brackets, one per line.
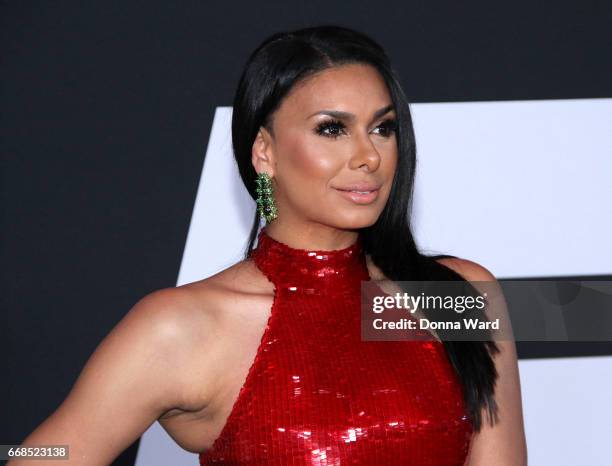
[316, 394]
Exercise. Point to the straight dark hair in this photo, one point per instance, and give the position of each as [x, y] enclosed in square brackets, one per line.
[274, 67]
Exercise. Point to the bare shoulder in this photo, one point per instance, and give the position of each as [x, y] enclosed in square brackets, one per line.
[178, 312]
[483, 280]
[242, 281]
[174, 320]
[169, 313]
[470, 270]
[182, 331]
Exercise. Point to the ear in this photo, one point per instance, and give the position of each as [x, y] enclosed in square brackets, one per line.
[263, 152]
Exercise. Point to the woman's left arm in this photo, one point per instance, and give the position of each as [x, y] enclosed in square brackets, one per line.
[502, 444]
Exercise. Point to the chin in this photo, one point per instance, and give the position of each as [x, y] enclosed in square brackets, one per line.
[355, 221]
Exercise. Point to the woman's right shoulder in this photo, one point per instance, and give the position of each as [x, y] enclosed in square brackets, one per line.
[199, 306]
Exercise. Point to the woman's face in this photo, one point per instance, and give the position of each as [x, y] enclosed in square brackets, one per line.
[333, 152]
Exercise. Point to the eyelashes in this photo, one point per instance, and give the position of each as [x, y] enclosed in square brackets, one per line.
[334, 128]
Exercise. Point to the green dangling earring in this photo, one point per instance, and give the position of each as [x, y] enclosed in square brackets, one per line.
[265, 199]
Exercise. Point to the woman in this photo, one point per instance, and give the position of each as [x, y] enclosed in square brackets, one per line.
[262, 363]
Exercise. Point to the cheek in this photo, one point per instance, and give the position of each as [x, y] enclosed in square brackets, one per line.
[312, 162]
[389, 160]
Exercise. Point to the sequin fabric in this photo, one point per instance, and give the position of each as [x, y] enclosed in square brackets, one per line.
[316, 394]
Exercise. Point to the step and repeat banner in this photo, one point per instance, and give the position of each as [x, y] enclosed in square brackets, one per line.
[117, 176]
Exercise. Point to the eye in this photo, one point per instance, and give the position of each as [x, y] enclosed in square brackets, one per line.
[388, 126]
[330, 128]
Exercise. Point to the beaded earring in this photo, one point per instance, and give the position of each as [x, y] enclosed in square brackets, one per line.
[265, 197]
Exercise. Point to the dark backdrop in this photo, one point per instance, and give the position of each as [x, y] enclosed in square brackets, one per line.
[105, 113]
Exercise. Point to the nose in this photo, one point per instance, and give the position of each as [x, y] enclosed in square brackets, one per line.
[365, 155]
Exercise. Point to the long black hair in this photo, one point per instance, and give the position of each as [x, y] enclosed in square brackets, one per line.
[274, 67]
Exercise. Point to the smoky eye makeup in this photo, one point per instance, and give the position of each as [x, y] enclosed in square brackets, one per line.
[390, 126]
[330, 128]
[333, 128]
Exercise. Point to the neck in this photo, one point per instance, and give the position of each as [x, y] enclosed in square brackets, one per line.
[311, 236]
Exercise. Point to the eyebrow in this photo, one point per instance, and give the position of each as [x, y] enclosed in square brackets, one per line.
[349, 116]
